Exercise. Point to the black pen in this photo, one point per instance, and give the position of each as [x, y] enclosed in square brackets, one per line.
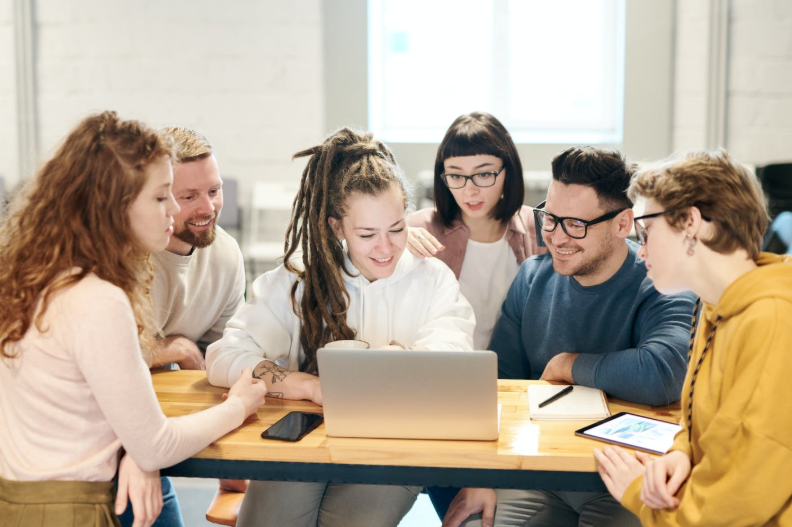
[556, 397]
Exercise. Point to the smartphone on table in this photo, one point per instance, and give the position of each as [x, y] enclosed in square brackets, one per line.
[293, 426]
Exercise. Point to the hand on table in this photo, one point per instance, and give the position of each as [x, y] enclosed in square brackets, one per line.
[252, 391]
[421, 243]
[470, 501]
[140, 487]
[662, 479]
[178, 349]
[559, 368]
[618, 468]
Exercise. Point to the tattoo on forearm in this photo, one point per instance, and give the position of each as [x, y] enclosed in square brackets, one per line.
[278, 374]
[275, 395]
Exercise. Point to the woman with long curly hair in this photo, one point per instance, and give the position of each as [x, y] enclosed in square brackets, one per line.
[346, 276]
[74, 306]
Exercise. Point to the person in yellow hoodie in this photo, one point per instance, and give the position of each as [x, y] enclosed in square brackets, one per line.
[731, 462]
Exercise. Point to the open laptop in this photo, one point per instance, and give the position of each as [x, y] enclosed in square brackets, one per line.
[410, 394]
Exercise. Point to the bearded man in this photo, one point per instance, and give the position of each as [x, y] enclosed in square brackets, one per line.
[200, 277]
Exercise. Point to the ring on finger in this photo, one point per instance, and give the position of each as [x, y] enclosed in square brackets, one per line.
[421, 237]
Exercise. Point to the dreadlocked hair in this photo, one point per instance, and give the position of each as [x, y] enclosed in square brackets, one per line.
[348, 162]
[72, 219]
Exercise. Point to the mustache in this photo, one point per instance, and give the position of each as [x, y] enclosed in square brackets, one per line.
[196, 219]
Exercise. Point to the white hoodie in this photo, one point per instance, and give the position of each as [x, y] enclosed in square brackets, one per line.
[418, 304]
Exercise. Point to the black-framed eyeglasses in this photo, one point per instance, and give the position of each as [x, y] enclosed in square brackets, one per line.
[642, 232]
[573, 227]
[482, 179]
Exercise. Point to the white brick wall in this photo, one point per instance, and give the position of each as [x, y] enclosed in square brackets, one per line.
[8, 132]
[760, 81]
[759, 98]
[248, 74]
[690, 75]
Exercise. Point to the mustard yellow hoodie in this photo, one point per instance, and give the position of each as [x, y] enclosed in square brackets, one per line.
[741, 442]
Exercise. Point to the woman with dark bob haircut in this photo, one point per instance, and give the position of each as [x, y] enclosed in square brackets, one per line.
[479, 226]
[701, 231]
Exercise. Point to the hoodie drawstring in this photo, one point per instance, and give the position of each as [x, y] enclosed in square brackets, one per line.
[710, 337]
[390, 322]
[360, 317]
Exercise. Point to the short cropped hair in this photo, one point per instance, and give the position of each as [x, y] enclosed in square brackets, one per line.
[606, 171]
[720, 187]
[190, 145]
[474, 134]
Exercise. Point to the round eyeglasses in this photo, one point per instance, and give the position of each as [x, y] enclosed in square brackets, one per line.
[641, 229]
[482, 179]
[573, 227]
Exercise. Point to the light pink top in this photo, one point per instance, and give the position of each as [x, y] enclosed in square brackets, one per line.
[81, 390]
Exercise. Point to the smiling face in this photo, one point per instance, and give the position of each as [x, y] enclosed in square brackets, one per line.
[476, 203]
[151, 213]
[197, 188]
[374, 228]
[665, 252]
[595, 258]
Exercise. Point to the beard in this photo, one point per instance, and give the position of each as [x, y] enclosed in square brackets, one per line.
[197, 240]
[592, 260]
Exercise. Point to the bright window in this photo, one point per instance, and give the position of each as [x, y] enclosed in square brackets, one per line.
[552, 71]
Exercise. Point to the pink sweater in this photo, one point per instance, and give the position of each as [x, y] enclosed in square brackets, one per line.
[80, 391]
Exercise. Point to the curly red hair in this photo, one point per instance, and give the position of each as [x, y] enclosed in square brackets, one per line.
[74, 215]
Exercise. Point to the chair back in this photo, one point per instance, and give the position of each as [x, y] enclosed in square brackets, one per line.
[777, 184]
[270, 211]
[230, 216]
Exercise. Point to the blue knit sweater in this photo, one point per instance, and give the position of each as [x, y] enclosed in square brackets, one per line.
[632, 340]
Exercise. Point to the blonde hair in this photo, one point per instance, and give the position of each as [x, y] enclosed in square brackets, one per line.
[728, 194]
[74, 214]
[190, 145]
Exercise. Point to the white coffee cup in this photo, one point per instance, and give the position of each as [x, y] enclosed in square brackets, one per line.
[348, 344]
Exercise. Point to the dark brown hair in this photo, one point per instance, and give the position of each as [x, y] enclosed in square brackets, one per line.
[74, 214]
[606, 171]
[474, 134]
[720, 187]
[347, 162]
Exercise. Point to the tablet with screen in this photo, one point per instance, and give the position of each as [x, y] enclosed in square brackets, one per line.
[634, 431]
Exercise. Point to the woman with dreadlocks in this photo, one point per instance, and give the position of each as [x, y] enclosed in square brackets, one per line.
[346, 276]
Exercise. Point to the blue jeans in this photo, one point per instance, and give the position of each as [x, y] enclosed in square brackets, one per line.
[170, 516]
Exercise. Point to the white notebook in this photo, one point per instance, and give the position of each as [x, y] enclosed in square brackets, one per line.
[582, 403]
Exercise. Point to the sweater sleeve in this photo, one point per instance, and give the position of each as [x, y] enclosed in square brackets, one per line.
[260, 330]
[234, 301]
[450, 323]
[653, 371]
[103, 338]
[742, 477]
[506, 340]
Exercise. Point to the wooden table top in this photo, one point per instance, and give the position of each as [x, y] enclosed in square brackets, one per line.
[524, 445]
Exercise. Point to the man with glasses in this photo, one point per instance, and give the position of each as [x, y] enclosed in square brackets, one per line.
[586, 314]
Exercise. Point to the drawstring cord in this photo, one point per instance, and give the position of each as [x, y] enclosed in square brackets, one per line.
[698, 364]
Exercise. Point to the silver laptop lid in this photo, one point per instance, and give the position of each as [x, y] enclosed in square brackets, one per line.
[410, 394]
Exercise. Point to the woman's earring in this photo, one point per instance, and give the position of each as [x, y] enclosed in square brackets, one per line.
[691, 243]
